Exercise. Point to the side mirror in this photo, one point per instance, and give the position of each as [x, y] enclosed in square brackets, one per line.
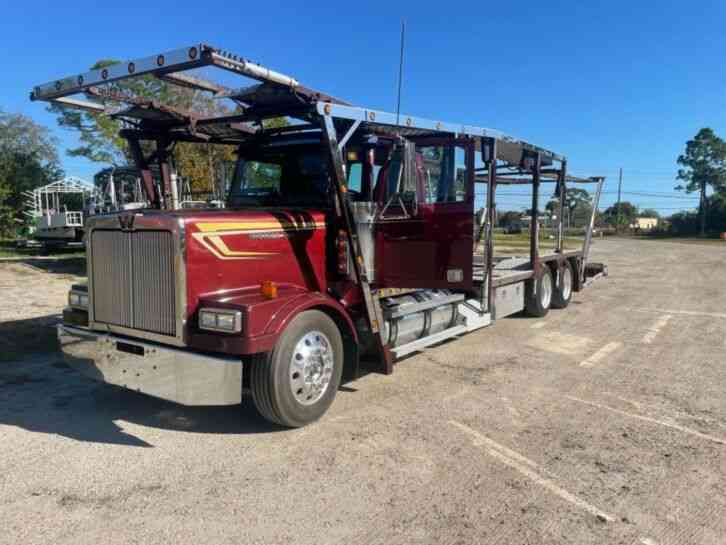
[529, 160]
[487, 149]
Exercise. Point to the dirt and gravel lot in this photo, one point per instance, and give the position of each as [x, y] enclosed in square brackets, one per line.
[601, 424]
[33, 292]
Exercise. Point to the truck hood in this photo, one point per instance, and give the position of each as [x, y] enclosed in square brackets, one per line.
[228, 250]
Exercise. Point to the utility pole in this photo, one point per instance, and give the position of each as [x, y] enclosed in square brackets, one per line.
[702, 208]
[620, 187]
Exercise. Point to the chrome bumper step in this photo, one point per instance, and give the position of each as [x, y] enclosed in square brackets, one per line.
[161, 371]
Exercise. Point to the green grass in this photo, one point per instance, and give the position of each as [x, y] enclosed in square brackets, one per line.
[519, 244]
[522, 239]
[8, 249]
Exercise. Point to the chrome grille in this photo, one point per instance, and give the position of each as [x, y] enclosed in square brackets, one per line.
[111, 266]
[133, 280]
[153, 286]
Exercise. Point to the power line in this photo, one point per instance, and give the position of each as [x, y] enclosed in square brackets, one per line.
[633, 171]
[656, 195]
[638, 193]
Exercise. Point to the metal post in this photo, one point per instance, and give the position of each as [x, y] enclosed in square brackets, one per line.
[173, 178]
[702, 203]
[534, 227]
[146, 176]
[590, 227]
[491, 213]
[373, 314]
[367, 181]
[112, 188]
[560, 214]
[165, 172]
[617, 207]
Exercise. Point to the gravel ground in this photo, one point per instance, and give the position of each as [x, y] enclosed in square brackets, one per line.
[32, 296]
[601, 424]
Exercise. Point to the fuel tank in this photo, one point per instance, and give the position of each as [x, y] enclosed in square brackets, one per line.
[418, 314]
[232, 249]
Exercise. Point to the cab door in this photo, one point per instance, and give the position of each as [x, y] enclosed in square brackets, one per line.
[427, 241]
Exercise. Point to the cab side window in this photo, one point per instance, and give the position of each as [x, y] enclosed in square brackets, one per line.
[355, 175]
[356, 182]
[443, 169]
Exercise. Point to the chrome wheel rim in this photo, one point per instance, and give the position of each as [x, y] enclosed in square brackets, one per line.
[546, 296]
[566, 280]
[311, 367]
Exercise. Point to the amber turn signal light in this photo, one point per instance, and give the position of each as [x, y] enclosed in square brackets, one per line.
[269, 289]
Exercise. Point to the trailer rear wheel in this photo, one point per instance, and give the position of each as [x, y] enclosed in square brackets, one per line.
[297, 382]
[538, 295]
[562, 294]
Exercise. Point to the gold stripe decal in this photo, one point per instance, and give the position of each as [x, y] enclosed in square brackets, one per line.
[210, 235]
[245, 226]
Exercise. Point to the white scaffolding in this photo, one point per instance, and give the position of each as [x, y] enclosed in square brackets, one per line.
[45, 207]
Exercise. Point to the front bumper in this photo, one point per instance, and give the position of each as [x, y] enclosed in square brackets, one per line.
[168, 373]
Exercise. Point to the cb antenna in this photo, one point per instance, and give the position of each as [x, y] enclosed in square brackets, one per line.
[400, 70]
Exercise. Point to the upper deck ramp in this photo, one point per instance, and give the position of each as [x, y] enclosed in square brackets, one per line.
[275, 93]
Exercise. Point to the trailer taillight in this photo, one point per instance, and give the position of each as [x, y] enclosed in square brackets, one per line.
[343, 253]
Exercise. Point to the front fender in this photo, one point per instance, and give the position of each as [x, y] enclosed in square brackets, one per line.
[307, 301]
[332, 308]
[265, 319]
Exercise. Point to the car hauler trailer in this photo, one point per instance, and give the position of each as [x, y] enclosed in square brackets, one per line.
[348, 233]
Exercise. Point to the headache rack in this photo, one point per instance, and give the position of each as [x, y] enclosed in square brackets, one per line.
[507, 160]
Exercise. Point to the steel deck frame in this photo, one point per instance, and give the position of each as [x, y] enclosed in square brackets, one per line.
[529, 171]
[407, 125]
[171, 66]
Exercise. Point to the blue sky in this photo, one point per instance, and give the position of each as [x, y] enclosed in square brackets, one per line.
[609, 84]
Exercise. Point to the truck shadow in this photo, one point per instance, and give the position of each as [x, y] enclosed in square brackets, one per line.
[74, 266]
[41, 394]
[19, 338]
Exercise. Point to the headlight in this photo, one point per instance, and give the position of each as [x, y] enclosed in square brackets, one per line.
[207, 320]
[78, 299]
[216, 319]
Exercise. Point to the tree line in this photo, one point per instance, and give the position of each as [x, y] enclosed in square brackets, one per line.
[100, 142]
[29, 155]
[702, 171]
[29, 158]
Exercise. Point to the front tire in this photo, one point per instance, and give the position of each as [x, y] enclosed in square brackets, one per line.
[538, 295]
[296, 383]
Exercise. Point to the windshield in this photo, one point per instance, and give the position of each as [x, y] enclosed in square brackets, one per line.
[281, 176]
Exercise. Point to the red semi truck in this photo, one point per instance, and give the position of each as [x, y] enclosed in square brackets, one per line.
[348, 235]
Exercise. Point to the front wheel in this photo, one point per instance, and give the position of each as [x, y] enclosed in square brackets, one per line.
[296, 383]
